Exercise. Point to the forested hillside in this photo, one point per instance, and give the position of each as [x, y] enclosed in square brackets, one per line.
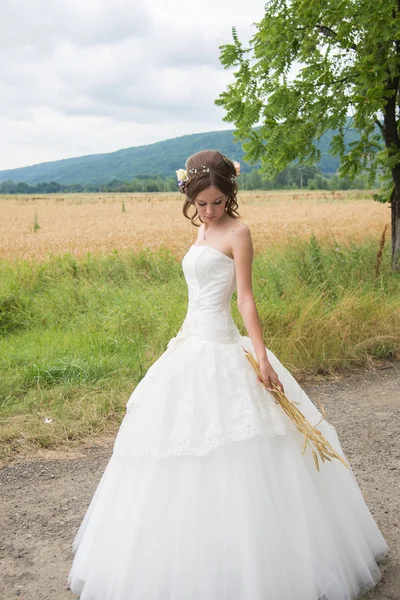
[160, 158]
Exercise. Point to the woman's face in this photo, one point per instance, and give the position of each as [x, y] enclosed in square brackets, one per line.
[210, 204]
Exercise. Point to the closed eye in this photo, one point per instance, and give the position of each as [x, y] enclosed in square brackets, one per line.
[216, 203]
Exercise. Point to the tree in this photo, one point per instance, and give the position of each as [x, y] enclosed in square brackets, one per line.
[314, 66]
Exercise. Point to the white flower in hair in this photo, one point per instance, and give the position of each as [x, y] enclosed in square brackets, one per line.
[236, 164]
[182, 177]
[181, 174]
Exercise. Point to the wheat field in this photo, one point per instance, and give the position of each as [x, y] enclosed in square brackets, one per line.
[97, 223]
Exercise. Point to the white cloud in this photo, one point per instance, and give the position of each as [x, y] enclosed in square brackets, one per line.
[95, 76]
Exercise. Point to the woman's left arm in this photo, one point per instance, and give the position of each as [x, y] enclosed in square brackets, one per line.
[242, 249]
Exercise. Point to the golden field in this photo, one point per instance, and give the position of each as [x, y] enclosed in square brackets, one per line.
[96, 223]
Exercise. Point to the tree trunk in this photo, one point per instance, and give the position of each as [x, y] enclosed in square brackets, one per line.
[390, 132]
[395, 210]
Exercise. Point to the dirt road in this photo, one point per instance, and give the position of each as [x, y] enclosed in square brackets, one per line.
[44, 500]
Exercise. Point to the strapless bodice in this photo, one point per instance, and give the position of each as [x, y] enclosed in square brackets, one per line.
[211, 280]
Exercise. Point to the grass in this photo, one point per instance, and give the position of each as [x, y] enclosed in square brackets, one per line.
[78, 334]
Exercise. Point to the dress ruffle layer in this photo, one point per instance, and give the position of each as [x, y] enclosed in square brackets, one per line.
[252, 520]
[199, 396]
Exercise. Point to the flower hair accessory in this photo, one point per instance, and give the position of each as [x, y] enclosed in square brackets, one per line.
[236, 164]
[183, 176]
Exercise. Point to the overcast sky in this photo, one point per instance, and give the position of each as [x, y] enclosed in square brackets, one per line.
[88, 76]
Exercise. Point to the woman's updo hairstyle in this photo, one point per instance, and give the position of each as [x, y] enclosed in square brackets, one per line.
[209, 168]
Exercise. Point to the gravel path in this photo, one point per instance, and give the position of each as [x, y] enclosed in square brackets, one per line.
[43, 501]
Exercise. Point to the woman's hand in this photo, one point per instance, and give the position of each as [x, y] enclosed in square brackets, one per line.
[269, 376]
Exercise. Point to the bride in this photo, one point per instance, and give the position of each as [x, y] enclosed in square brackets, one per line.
[213, 490]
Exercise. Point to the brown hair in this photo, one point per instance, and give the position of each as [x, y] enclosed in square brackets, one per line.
[221, 174]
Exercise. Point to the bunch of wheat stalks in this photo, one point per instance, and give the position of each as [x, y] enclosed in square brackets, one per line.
[312, 435]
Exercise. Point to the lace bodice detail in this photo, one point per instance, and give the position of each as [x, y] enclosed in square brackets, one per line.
[211, 280]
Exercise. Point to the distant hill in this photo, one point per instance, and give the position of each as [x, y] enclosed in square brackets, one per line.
[160, 158]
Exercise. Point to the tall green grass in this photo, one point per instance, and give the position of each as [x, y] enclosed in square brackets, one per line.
[77, 335]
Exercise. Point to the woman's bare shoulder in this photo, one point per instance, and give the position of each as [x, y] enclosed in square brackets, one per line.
[241, 241]
[236, 226]
[240, 231]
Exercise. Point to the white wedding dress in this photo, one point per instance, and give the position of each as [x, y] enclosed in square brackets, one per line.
[207, 495]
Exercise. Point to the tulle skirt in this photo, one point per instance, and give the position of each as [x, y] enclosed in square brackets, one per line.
[249, 518]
